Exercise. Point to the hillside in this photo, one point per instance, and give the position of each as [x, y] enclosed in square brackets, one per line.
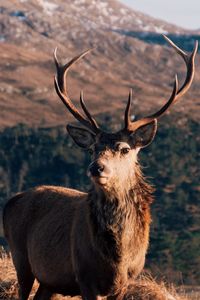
[130, 52]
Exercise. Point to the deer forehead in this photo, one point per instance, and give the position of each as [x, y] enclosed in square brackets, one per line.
[112, 141]
[108, 147]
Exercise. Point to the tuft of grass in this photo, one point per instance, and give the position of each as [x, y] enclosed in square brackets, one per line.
[8, 290]
[8, 281]
[146, 288]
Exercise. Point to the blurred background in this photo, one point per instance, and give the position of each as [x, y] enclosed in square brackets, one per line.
[130, 52]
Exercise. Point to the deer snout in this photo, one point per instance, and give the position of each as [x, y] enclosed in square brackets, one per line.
[99, 169]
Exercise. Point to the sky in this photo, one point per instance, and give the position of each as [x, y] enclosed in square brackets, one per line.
[185, 13]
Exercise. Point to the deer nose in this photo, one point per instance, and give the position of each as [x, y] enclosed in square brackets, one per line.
[98, 169]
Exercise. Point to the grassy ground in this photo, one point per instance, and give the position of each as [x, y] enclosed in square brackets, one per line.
[144, 289]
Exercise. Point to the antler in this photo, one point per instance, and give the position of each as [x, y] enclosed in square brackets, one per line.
[61, 88]
[176, 93]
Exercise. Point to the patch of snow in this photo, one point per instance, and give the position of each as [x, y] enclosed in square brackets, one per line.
[88, 25]
[146, 28]
[123, 11]
[2, 39]
[102, 6]
[139, 21]
[160, 30]
[78, 2]
[113, 18]
[48, 7]
[102, 20]
[132, 117]
[110, 10]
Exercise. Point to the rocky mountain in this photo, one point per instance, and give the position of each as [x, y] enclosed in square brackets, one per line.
[129, 52]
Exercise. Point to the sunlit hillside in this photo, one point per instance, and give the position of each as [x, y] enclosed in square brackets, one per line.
[129, 52]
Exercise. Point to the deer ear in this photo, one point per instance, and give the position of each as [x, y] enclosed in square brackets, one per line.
[82, 137]
[145, 134]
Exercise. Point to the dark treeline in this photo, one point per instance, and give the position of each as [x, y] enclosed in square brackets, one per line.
[30, 157]
[186, 40]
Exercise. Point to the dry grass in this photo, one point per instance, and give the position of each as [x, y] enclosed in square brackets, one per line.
[8, 283]
[144, 289]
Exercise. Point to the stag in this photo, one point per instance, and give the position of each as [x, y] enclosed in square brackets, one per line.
[90, 244]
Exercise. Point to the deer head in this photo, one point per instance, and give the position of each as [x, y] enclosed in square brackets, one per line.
[114, 155]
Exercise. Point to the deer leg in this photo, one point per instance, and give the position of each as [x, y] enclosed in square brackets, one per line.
[88, 293]
[25, 285]
[24, 276]
[42, 293]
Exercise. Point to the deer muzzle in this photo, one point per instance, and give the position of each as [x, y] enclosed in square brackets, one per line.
[99, 171]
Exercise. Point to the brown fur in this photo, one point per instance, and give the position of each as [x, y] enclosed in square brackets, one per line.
[78, 243]
[89, 244]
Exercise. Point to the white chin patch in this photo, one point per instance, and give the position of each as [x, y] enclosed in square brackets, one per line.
[100, 180]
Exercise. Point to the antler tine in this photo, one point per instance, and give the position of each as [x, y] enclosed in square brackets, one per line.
[178, 50]
[61, 89]
[149, 119]
[127, 120]
[169, 102]
[176, 93]
[189, 61]
[92, 120]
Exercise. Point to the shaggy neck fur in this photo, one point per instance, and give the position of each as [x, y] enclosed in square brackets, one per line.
[114, 212]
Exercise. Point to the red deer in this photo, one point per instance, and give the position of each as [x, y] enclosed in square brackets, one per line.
[90, 244]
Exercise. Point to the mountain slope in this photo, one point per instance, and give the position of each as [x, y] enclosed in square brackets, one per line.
[128, 54]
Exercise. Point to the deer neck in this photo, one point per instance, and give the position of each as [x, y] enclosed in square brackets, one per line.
[114, 213]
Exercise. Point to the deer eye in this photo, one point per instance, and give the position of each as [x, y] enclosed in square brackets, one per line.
[124, 151]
